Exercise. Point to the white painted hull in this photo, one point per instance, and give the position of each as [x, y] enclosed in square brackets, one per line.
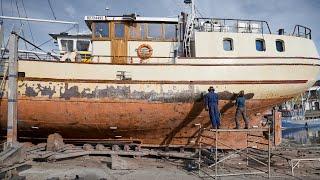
[272, 79]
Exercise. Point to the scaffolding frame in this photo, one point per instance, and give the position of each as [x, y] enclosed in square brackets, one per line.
[236, 151]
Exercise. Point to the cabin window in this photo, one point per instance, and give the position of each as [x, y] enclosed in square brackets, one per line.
[170, 31]
[228, 44]
[260, 45]
[119, 30]
[83, 45]
[154, 31]
[280, 45]
[134, 31]
[67, 45]
[143, 31]
[101, 30]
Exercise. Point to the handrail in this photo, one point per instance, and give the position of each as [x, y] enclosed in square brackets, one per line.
[224, 20]
[306, 32]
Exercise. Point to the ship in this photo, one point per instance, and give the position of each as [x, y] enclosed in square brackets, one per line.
[147, 78]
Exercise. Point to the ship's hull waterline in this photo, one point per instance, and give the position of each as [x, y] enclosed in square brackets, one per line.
[160, 108]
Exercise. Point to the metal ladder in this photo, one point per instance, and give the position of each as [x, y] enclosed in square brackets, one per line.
[188, 36]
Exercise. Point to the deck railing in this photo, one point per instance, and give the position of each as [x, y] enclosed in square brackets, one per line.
[302, 31]
[231, 25]
[35, 56]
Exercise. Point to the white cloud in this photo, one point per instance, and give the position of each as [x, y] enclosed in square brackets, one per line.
[70, 11]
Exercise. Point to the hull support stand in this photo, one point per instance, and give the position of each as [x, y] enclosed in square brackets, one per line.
[12, 91]
[12, 149]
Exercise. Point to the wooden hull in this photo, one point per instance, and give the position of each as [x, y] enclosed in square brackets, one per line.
[152, 124]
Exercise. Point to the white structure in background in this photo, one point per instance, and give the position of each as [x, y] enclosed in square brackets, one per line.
[311, 99]
[76, 47]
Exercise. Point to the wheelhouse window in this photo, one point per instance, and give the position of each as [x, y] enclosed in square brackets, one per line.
[134, 31]
[228, 44]
[170, 31]
[280, 45]
[142, 29]
[154, 31]
[101, 30]
[137, 31]
[83, 45]
[119, 29]
[67, 45]
[260, 45]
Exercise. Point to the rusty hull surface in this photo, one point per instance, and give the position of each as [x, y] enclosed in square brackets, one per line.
[151, 123]
[82, 111]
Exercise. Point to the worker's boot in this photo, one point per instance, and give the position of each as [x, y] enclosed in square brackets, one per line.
[246, 126]
[237, 125]
[246, 123]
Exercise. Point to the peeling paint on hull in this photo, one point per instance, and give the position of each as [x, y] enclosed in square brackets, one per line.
[153, 124]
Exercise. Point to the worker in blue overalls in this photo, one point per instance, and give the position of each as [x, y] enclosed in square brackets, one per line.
[241, 110]
[211, 105]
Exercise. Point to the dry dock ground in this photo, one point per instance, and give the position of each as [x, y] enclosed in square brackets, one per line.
[99, 167]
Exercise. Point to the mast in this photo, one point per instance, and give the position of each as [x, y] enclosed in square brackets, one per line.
[12, 114]
[193, 9]
[1, 36]
[12, 91]
[38, 20]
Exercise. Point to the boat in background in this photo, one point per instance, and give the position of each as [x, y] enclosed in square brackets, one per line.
[305, 136]
[73, 46]
[305, 106]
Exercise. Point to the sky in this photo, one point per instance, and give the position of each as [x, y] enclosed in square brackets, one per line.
[279, 13]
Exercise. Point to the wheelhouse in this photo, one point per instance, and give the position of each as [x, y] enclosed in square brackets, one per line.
[132, 39]
[80, 43]
[70, 43]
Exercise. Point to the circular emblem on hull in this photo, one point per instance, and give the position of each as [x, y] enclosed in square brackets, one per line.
[144, 51]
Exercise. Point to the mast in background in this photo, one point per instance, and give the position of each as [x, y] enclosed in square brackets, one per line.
[1, 36]
[12, 91]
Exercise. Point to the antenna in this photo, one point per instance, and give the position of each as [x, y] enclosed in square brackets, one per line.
[107, 8]
[1, 34]
[193, 6]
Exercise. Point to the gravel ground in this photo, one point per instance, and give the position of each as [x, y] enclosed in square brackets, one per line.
[99, 167]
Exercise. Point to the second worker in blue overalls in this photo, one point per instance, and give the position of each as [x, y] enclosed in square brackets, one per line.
[211, 105]
[241, 111]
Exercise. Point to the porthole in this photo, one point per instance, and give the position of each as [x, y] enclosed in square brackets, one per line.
[228, 44]
[280, 45]
[260, 45]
